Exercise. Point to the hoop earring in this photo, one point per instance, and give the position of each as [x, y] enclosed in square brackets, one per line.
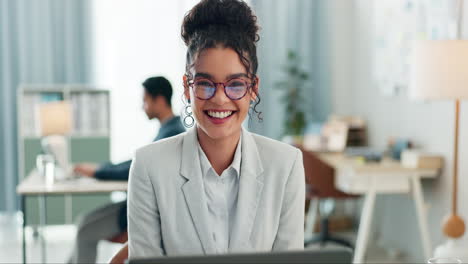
[188, 116]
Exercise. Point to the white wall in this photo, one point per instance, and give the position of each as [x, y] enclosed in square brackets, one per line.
[429, 125]
[340, 16]
[134, 40]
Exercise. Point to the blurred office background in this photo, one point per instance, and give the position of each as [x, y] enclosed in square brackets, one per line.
[116, 44]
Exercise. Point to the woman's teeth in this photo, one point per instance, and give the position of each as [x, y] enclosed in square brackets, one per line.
[219, 114]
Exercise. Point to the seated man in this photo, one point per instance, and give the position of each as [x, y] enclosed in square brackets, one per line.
[111, 220]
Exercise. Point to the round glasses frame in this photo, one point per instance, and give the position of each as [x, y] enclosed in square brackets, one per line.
[249, 85]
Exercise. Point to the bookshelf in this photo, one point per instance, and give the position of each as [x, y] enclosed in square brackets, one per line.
[89, 142]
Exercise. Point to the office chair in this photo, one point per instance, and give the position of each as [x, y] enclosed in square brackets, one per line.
[321, 193]
[326, 209]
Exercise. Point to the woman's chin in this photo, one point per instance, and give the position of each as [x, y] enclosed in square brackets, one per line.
[219, 132]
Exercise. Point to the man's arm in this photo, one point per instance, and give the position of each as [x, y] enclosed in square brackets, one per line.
[110, 171]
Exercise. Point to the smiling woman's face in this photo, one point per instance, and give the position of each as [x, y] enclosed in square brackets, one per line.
[219, 117]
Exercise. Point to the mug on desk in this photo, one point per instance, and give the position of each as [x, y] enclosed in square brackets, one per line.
[45, 165]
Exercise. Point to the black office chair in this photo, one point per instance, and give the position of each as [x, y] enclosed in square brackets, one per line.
[320, 185]
[326, 207]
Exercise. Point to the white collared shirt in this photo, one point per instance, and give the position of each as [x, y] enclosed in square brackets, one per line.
[221, 196]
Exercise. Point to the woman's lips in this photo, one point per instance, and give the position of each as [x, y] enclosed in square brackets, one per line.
[219, 120]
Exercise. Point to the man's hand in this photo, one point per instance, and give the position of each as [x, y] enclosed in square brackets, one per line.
[86, 169]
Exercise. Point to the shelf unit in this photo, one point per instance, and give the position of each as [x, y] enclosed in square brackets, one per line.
[89, 141]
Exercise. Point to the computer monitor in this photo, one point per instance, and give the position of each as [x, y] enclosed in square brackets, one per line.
[305, 256]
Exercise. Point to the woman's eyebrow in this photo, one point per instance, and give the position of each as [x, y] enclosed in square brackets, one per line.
[209, 76]
[237, 75]
[203, 75]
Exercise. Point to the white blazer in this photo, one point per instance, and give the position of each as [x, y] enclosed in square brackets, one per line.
[167, 209]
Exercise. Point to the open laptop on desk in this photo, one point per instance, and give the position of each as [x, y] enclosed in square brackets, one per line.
[306, 256]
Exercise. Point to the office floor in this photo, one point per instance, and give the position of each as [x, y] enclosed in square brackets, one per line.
[60, 243]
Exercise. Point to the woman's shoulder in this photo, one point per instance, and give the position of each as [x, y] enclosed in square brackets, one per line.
[161, 148]
[278, 159]
[274, 147]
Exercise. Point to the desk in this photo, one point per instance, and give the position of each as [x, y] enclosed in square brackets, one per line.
[370, 179]
[34, 185]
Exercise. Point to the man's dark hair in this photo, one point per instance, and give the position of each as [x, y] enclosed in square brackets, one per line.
[156, 86]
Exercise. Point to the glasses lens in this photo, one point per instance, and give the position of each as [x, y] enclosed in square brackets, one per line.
[204, 89]
[236, 88]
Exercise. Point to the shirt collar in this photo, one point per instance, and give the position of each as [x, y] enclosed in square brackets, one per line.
[236, 162]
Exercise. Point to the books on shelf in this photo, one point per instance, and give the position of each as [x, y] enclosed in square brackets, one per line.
[90, 110]
[47, 97]
[29, 114]
[90, 113]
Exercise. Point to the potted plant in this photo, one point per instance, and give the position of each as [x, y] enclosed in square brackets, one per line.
[293, 85]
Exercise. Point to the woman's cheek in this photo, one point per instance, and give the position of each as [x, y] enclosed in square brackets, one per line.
[197, 114]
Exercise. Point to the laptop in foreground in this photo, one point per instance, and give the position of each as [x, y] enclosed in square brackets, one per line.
[305, 256]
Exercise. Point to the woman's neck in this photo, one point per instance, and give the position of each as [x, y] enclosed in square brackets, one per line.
[220, 152]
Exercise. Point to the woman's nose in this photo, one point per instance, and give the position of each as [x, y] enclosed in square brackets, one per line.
[220, 97]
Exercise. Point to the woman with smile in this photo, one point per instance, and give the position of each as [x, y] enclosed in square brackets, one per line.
[217, 188]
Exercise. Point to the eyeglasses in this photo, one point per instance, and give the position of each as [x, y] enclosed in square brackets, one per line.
[205, 89]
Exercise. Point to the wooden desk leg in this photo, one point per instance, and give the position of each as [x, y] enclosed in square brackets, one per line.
[422, 216]
[43, 225]
[365, 225]
[311, 216]
[23, 208]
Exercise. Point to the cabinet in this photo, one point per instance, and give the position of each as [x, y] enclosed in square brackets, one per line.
[89, 142]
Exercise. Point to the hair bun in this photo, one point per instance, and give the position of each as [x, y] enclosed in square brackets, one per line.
[231, 15]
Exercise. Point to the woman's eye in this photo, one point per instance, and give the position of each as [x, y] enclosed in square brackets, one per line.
[236, 83]
[203, 83]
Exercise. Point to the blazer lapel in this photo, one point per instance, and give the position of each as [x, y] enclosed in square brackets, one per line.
[193, 190]
[250, 189]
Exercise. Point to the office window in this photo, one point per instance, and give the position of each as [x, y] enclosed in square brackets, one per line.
[133, 40]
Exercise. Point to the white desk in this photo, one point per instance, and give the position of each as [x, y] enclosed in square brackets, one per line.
[34, 185]
[370, 179]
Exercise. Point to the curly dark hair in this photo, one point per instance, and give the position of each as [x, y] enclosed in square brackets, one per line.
[229, 23]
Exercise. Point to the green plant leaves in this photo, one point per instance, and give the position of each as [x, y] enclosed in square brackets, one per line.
[293, 85]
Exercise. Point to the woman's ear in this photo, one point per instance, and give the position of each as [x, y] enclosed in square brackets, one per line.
[186, 87]
[255, 87]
